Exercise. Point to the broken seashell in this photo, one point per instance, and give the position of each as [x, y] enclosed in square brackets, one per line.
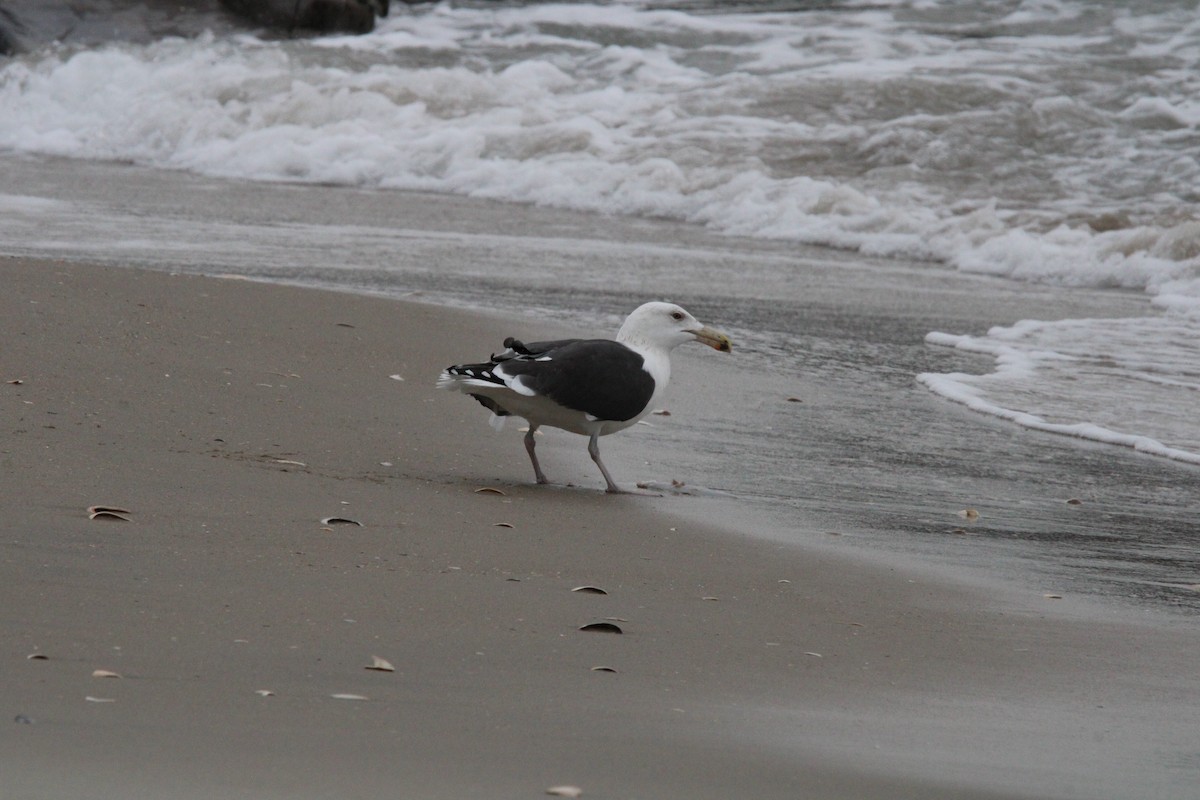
[589, 590]
[794, 400]
[349, 697]
[396, 377]
[969, 513]
[340, 521]
[602, 627]
[38, 657]
[109, 512]
[1052, 596]
[489, 490]
[564, 791]
[105, 673]
[91, 699]
[662, 412]
[710, 597]
[291, 462]
[502, 525]
[1074, 501]
[264, 693]
[380, 665]
[603, 669]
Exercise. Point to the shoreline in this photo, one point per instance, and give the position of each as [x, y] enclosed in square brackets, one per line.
[230, 417]
[843, 334]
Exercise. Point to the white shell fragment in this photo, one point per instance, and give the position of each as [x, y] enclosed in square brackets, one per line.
[602, 627]
[264, 693]
[489, 490]
[564, 791]
[91, 699]
[380, 665]
[503, 525]
[604, 669]
[109, 512]
[969, 513]
[340, 521]
[589, 590]
[38, 657]
[105, 673]
[341, 696]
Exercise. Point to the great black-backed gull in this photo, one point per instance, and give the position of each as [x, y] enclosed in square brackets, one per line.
[592, 387]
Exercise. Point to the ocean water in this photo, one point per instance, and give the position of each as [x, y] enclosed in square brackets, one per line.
[1050, 145]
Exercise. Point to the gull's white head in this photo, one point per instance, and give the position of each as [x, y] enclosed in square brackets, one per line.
[665, 326]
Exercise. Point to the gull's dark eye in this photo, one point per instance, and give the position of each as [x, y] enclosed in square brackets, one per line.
[677, 315]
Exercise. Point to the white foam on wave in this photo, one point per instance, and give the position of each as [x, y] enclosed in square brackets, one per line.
[715, 119]
[1090, 379]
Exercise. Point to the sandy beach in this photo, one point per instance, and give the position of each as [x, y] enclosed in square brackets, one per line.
[230, 418]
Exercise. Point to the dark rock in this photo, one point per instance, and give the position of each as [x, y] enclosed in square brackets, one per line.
[322, 16]
[27, 24]
[9, 28]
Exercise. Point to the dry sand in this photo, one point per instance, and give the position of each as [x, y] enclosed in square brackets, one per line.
[231, 417]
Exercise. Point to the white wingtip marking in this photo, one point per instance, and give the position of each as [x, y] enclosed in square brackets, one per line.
[453, 382]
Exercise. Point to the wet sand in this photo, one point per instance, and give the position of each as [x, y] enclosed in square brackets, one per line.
[231, 417]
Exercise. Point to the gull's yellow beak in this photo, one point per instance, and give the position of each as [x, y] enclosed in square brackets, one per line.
[714, 339]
